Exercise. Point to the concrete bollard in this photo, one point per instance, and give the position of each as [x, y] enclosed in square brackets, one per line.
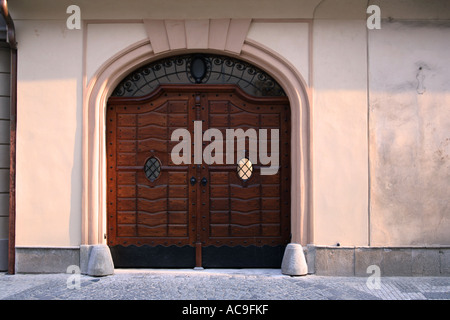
[294, 262]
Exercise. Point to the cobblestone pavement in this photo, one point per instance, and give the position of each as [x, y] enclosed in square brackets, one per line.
[216, 284]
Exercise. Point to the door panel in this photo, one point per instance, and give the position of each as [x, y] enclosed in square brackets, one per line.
[254, 211]
[161, 219]
[139, 210]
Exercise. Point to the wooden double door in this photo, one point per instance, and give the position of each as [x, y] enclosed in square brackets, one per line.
[163, 213]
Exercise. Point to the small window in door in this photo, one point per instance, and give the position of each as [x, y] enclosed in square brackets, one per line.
[152, 168]
[244, 169]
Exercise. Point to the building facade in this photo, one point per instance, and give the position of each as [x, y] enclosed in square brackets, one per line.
[360, 105]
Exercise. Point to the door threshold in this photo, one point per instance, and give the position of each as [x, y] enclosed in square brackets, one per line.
[212, 271]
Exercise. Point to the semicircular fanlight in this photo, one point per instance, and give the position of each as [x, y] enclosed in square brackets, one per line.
[199, 69]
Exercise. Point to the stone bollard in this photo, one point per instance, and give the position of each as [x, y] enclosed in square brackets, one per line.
[294, 262]
[100, 262]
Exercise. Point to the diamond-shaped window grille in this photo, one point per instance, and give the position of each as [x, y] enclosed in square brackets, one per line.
[245, 169]
[152, 168]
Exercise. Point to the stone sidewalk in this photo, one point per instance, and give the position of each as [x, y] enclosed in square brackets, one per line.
[218, 284]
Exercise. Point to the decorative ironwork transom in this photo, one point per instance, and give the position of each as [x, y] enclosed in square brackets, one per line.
[244, 169]
[199, 68]
[152, 169]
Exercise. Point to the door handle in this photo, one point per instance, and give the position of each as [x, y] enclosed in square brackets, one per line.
[204, 181]
[193, 180]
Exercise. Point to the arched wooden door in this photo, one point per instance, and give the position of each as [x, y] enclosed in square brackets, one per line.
[163, 213]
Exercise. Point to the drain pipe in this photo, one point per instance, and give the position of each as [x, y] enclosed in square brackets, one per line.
[11, 40]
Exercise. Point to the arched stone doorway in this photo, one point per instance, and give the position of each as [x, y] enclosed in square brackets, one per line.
[112, 72]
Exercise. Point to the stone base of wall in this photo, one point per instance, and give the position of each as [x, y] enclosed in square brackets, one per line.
[46, 260]
[94, 260]
[321, 260]
[392, 261]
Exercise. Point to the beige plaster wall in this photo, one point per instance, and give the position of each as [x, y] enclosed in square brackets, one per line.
[48, 180]
[340, 195]
[289, 39]
[410, 133]
[100, 47]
